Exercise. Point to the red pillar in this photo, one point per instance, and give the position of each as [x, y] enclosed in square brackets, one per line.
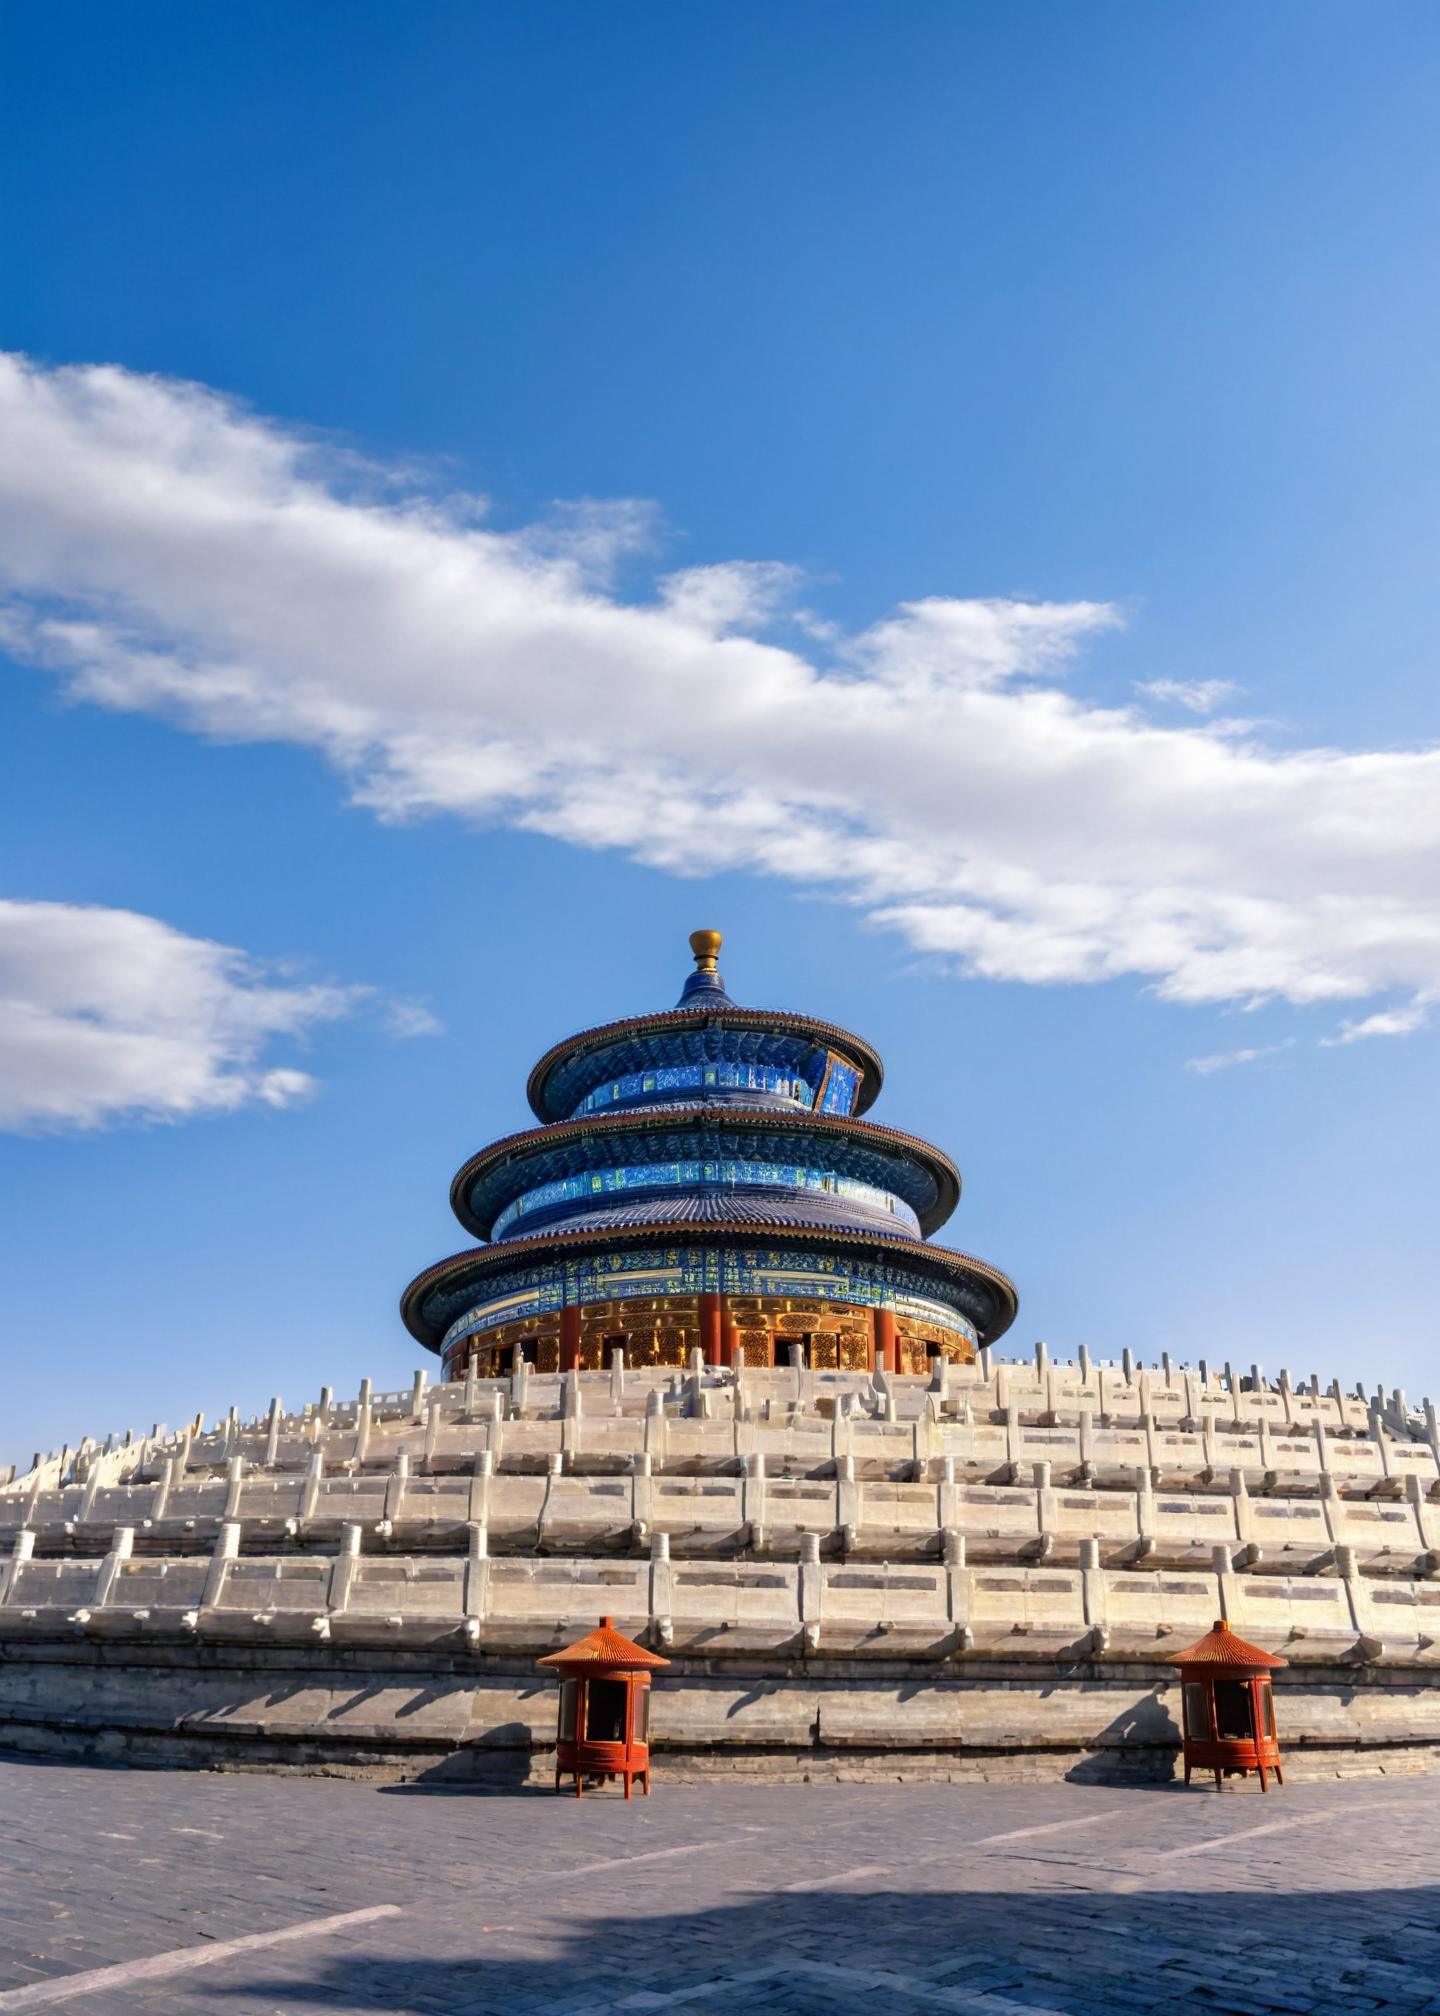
[729, 1333]
[570, 1339]
[711, 1328]
[887, 1344]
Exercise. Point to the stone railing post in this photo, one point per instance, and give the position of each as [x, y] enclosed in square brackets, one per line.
[1228, 1603]
[661, 1598]
[642, 1493]
[947, 1497]
[1147, 1424]
[752, 1497]
[1426, 1521]
[655, 1426]
[160, 1491]
[92, 1492]
[481, 1473]
[1244, 1513]
[344, 1570]
[849, 1501]
[22, 1550]
[1144, 1512]
[122, 1546]
[519, 1384]
[810, 1586]
[1046, 1519]
[1094, 1592]
[310, 1493]
[1014, 1442]
[432, 1428]
[227, 1550]
[957, 1588]
[477, 1571]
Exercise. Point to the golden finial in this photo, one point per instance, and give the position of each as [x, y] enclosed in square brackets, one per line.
[706, 947]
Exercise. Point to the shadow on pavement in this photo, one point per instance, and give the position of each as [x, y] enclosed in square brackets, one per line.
[1081, 1951]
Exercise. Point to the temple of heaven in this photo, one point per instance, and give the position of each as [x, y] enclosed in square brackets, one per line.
[702, 1176]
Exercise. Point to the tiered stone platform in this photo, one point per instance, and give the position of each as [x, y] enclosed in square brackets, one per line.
[850, 1572]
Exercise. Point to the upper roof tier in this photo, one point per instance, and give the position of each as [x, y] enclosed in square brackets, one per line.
[707, 1050]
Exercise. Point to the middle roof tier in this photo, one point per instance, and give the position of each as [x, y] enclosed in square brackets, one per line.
[841, 1172]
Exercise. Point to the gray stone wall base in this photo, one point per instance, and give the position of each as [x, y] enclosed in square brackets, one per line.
[467, 1721]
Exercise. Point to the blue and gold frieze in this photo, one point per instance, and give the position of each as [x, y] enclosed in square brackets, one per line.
[837, 1092]
[674, 1081]
[788, 1054]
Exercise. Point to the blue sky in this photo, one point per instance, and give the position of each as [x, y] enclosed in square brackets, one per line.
[959, 505]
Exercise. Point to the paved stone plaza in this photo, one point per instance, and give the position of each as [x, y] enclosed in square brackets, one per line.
[984, 1899]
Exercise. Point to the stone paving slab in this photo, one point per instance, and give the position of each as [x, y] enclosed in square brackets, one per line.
[982, 1900]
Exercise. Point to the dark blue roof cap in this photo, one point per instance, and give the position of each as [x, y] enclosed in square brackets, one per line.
[704, 988]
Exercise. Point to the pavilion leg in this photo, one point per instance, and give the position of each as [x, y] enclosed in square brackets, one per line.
[1260, 1767]
[627, 1784]
[1187, 1770]
[1279, 1774]
[1217, 1777]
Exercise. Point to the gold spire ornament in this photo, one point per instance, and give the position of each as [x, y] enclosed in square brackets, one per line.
[706, 947]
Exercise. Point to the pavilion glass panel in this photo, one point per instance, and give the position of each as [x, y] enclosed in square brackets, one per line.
[605, 1711]
[1233, 1711]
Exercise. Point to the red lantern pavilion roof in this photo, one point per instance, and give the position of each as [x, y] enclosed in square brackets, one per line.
[1223, 1647]
[605, 1646]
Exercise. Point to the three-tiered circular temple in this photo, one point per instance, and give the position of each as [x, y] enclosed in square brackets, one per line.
[702, 1177]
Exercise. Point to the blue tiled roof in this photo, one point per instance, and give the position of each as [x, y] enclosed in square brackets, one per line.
[705, 990]
[730, 1207]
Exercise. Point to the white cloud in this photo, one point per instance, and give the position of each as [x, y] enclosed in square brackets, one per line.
[1401, 1021]
[1199, 696]
[1225, 1059]
[404, 1018]
[721, 598]
[165, 551]
[106, 1015]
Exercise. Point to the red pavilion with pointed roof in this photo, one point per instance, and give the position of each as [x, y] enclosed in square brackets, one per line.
[603, 1729]
[1229, 1706]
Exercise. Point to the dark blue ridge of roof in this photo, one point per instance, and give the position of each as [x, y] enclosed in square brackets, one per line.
[771, 1208]
[724, 1099]
[705, 990]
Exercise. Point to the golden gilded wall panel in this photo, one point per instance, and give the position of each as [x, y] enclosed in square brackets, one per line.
[663, 1330]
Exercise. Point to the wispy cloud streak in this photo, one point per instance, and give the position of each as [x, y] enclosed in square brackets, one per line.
[1226, 1060]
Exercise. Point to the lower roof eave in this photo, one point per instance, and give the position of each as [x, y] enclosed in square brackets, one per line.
[480, 1260]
